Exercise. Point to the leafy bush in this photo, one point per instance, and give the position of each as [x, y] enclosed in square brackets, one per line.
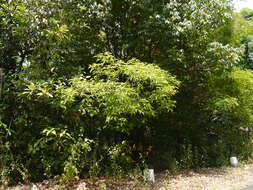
[84, 126]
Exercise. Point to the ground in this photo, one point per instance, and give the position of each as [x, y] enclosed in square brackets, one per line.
[228, 178]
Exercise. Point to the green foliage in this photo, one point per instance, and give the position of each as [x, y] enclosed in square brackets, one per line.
[189, 137]
[96, 117]
[88, 89]
[231, 97]
[247, 13]
[240, 31]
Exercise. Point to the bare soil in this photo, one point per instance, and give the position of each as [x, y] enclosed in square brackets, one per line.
[228, 178]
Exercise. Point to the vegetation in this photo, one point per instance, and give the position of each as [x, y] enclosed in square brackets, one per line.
[108, 87]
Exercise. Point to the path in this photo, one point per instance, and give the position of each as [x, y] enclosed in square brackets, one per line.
[249, 188]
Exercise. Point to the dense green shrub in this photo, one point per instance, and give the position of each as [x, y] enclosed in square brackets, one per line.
[211, 119]
[84, 126]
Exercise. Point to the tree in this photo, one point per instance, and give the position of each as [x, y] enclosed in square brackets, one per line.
[247, 13]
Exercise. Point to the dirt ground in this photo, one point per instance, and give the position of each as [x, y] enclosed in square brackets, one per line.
[205, 179]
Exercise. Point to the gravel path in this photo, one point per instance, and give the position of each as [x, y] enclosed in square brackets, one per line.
[211, 179]
[249, 188]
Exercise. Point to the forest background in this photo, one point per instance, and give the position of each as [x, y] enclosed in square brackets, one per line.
[107, 87]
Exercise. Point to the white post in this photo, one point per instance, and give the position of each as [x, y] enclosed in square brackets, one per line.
[233, 161]
[149, 175]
